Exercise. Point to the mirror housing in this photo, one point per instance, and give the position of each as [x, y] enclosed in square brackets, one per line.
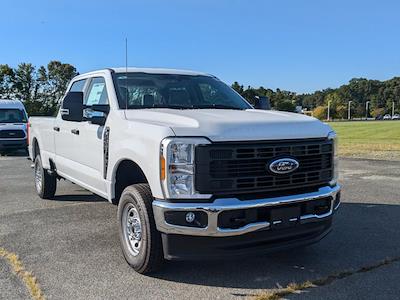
[262, 102]
[104, 108]
[72, 107]
[97, 114]
[98, 120]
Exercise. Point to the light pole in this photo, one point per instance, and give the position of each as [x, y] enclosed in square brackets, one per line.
[349, 112]
[392, 109]
[329, 110]
[366, 110]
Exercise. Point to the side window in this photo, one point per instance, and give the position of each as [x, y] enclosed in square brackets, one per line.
[78, 86]
[97, 92]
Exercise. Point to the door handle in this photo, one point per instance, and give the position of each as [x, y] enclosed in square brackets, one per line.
[75, 131]
[55, 128]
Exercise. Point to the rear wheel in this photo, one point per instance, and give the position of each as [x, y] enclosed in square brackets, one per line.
[45, 183]
[140, 241]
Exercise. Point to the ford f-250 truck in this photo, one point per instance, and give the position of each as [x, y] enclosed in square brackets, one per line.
[196, 171]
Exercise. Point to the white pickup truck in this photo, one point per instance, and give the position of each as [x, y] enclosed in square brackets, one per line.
[196, 171]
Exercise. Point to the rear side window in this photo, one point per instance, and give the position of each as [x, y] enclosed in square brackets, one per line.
[78, 86]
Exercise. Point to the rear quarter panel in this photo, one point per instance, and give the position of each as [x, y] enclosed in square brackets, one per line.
[41, 131]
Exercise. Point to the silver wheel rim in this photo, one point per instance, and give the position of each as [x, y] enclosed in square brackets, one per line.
[38, 177]
[132, 229]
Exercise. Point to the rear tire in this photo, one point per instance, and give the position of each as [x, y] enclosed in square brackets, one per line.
[140, 241]
[45, 183]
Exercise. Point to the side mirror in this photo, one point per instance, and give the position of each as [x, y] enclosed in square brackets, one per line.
[98, 120]
[104, 108]
[97, 114]
[262, 102]
[72, 107]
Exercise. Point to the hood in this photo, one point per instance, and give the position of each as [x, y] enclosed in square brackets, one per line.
[233, 125]
[12, 126]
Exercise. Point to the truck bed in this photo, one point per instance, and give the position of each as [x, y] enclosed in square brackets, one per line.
[41, 129]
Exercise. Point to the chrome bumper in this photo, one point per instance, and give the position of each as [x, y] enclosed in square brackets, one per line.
[224, 204]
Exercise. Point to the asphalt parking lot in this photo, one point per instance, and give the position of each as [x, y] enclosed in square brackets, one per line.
[71, 245]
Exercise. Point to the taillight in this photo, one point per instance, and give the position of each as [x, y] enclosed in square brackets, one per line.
[28, 126]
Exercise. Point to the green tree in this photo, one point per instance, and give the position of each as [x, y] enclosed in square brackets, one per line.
[6, 81]
[39, 89]
[237, 87]
[286, 105]
[26, 86]
[341, 112]
[54, 81]
[320, 112]
[379, 111]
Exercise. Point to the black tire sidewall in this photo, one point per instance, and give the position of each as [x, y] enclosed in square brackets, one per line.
[38, 162]
[49, 182]
[140, 260]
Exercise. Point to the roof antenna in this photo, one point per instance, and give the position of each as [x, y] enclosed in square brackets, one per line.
[126, 73]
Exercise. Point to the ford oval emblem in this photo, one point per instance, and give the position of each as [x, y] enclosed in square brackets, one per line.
[283, 165]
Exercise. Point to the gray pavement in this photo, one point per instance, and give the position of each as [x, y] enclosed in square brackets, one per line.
[11, 286]
[71, 245]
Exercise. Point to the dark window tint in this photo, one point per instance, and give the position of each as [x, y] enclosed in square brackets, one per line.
[12, 116]
[140, 90]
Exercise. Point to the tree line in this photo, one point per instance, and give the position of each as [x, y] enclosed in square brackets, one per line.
[380, 95]
[42, 88]
[39, 88]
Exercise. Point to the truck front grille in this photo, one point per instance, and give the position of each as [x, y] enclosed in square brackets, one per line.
[231, 168]
[12, 134]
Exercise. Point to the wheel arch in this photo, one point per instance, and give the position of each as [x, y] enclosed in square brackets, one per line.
[35, 148]
[125, 173]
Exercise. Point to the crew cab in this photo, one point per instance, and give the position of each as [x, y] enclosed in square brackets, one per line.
[13, 126]
[196, 171]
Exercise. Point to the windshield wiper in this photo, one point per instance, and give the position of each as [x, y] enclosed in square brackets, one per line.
[217, 106]
[159, 106]
[171, 106]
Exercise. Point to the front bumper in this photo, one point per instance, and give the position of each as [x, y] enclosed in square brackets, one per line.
[185, 247]
[13, 144]
[214, 209]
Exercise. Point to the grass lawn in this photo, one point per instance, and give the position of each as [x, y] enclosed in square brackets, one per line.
[373, 139]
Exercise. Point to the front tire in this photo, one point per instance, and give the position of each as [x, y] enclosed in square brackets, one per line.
[45, 183]
[140, 241]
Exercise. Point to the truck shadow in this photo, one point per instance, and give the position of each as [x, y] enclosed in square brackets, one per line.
[363, 234]
[16, 153]
[79, 198]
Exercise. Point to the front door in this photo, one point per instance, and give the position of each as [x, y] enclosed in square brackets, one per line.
[89, 139]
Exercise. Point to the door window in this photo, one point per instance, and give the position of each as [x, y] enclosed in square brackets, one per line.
[97, 92]
[96, 95]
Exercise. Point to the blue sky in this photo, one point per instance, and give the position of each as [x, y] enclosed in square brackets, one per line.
[295, 45]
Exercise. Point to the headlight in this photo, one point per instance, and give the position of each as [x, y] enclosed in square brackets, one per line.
[177, 169]
[332, 136]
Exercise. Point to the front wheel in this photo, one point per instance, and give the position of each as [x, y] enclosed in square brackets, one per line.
[45, 183]
[140, 241]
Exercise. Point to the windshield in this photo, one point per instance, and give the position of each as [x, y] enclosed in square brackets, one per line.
[142, 90]
[12, 116]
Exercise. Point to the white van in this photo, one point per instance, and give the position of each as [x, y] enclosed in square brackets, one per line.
[13, 126]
